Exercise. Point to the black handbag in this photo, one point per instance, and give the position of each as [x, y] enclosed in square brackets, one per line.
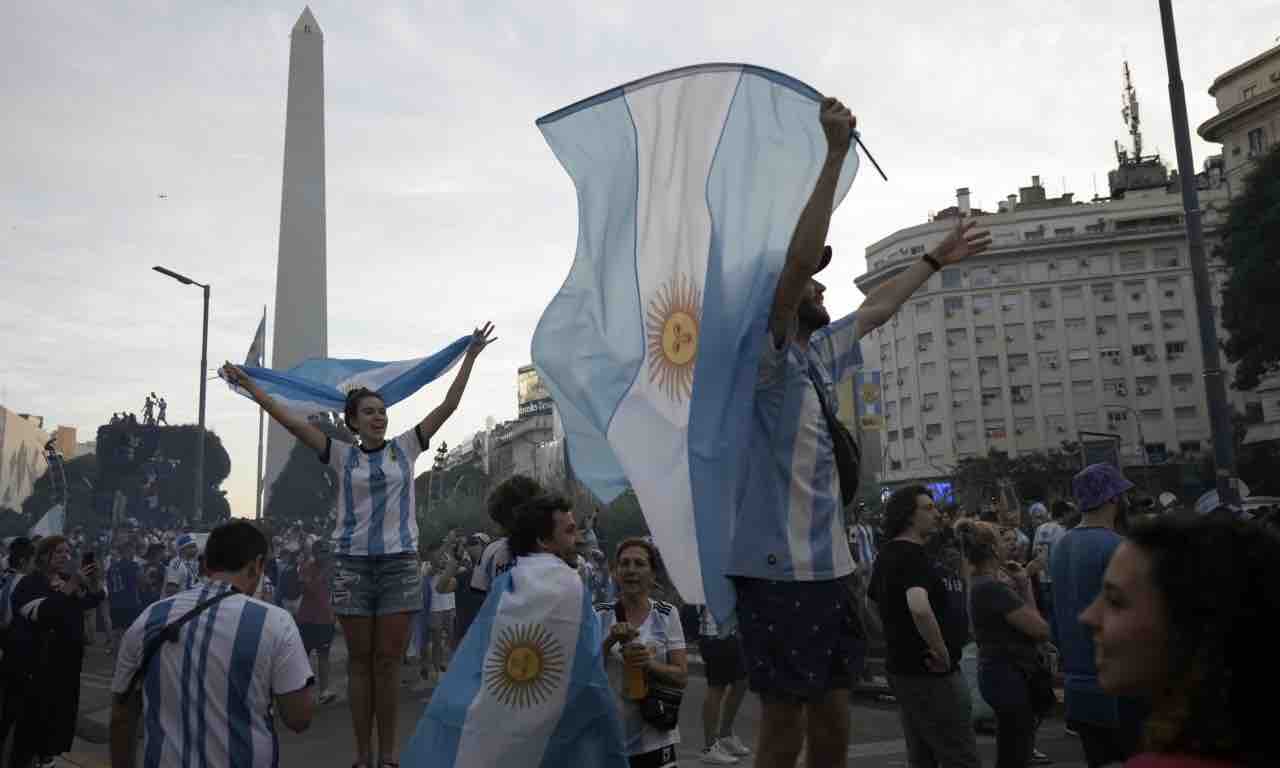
[848, 455]
[660, 706]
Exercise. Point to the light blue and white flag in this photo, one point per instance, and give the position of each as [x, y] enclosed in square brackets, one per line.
[690, 184]
[320, 385]
[258, 348]
[53, 522]
[527, 686]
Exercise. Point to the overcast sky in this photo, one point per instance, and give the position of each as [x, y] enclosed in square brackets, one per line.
[445, 206]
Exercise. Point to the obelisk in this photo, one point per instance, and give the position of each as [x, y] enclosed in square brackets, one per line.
[302, 308]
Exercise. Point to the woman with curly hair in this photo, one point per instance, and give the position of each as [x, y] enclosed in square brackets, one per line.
[1177, 621]
[1008, 628]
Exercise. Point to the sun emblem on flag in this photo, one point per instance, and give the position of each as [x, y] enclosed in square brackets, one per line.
[870, 393]
[525, 666]
[672, 319]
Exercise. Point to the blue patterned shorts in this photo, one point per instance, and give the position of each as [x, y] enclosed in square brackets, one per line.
[800, 639]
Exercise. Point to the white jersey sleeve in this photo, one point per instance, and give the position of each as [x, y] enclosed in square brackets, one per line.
[290, 663]
[494, 561]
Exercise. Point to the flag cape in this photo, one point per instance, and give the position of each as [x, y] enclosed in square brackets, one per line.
[527, 685]
[320, 385]
[689, 186]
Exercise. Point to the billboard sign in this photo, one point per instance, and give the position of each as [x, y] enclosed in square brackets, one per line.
[532, 396]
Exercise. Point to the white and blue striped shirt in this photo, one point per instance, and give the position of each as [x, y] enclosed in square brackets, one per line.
[789, 521]
[375, 496]
[207, 697]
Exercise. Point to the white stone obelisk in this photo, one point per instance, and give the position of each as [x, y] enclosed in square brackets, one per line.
[302, 304]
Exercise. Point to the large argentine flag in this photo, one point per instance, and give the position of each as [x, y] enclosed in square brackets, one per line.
[320, 385]
[527, 686]
[689, 187]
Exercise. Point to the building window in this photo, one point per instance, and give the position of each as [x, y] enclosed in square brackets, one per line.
[995, 430]
[1111, 356]
[950, 278]
[1104, 294]
[928, 369]
[932, 431]
[1175, 349]
[1064, 231]
[1167, 257]
[1087, 420]
[1189, 446]
[982, 304]
[990, 396]
[961, 398]
[1044, 330]
[1143, 351]
[1099, 226]
[1147, 385]
[1257, 143]
[1133, 261]
[923, 308]
[1074, 324]
[953, 305]
[930, 402]
[1020, 395]
[980, 277]
[1115, 388]
[893, 436]
[1181, 382]
[908, 433]
[1184, 413]
[1049, 361]
[1249, 91]
[924, 341]
[1042, 299]
[1007, 274]
[1034, 234]
[1009, 302]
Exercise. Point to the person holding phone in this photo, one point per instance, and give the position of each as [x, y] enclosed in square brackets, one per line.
[48, 649]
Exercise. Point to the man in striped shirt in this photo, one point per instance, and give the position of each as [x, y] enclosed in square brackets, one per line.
[208, 693]
[790, 553]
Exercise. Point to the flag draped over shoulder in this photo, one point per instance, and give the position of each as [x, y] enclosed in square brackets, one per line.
[320, 385]
[527, 686]
[689, 186]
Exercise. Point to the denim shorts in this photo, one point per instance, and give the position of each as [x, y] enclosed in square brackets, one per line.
[377, 585]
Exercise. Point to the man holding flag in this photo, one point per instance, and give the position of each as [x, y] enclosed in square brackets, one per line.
[790, 556]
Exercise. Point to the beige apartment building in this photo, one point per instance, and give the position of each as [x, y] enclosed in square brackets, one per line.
[1080, 318]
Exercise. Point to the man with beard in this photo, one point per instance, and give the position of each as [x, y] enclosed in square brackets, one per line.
[790, 554]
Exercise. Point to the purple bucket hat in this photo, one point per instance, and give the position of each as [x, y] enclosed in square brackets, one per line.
[1097, 484]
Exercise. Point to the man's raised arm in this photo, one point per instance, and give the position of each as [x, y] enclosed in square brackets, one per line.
[882, 303]
[804, 254]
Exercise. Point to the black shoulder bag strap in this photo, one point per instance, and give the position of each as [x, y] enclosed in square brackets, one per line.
[170, 634]
[848, 455]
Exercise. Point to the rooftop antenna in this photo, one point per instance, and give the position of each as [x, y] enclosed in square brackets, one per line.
[1132, 118]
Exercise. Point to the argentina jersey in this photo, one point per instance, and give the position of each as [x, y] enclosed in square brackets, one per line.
[789, 521]
[494, 561]
[375, 496]
[207, 698]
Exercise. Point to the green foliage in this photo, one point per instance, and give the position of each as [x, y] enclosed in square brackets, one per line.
[305, 491]
[1250, 309]
[1035, 476]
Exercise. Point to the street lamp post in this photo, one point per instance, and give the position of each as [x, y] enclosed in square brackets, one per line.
[204, 366]
[1214, 376]
[1142, 442]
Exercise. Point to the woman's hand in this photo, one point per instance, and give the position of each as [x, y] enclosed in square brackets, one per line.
[637, 655]
[236, 375]
[481, 338]
[622, 633]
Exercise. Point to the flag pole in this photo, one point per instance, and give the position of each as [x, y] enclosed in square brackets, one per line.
[257, 515]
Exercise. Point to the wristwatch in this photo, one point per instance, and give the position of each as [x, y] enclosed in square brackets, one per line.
[928, 259]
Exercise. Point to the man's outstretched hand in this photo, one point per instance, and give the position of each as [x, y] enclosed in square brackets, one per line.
[962, 242]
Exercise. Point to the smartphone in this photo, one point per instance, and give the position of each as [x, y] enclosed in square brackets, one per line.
[88, 558]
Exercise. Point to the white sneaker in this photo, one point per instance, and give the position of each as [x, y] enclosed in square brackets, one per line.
[734, 746]
[715, 755]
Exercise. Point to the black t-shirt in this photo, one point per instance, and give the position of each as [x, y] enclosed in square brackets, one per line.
[468, 601]
[998, 640]
[900, 566]
[955, 619]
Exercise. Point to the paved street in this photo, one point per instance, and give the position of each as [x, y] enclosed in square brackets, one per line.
[876, 741]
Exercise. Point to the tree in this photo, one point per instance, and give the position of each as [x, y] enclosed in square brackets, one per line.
[1250, 314]
[306, 491]
[81, 475]
[1038, 475]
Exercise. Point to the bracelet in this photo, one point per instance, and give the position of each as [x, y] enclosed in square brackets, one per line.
[928, 259]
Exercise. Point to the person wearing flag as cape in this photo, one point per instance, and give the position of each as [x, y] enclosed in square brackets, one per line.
[789, 557]
[376, 584]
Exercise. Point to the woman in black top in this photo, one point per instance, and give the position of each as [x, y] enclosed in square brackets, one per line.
[1007, 627]
[48, 649]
